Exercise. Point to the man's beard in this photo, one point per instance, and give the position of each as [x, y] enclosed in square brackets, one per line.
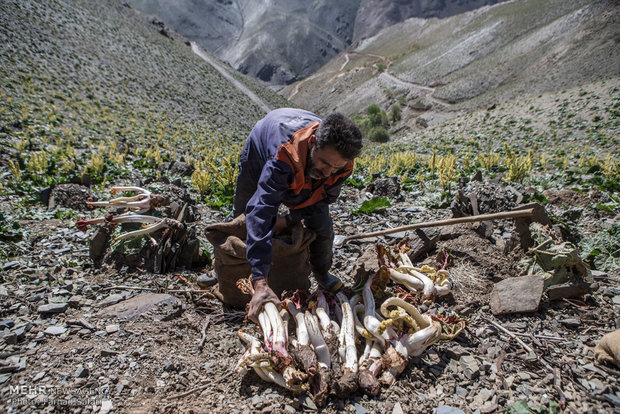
[315, 174]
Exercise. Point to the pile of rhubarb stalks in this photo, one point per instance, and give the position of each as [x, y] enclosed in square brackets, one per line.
[342, 344]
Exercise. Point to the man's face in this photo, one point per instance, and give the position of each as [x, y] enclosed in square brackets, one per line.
[325, 162]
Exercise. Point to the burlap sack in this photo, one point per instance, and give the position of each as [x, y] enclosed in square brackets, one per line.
[608, 348]
[289, 271]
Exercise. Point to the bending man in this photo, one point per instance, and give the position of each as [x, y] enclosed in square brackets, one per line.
[292, 157]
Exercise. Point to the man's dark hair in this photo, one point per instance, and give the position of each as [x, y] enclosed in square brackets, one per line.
[340, 132]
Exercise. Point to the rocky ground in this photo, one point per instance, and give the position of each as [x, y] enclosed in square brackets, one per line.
[91, 96]
[73, 342]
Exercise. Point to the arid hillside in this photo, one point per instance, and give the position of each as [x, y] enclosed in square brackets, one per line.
[433, 68]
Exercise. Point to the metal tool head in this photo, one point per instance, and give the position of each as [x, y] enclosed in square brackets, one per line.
[339, 240]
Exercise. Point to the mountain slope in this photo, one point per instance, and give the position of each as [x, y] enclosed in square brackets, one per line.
[108, 53]
[282, 39]
[374, 15]
[475, 59]
[279, 41]
[97, 88]
[272, 40]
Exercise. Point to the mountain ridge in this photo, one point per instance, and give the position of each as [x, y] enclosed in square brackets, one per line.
[280, 41]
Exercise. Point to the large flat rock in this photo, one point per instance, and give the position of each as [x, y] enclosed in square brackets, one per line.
[159, 306]
[517, 295]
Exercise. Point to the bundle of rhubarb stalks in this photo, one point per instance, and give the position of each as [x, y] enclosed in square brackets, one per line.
[341, 344]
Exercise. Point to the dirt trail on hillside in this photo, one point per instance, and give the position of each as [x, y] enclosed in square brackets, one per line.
[418, 86]
[253, 97]
[340, 72]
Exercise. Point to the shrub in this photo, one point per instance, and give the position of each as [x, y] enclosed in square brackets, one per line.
[364, 126]
[375, 119]
[378, 134]
[373, 109]
[395, 113]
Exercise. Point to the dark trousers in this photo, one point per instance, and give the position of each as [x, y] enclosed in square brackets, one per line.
[315, 218]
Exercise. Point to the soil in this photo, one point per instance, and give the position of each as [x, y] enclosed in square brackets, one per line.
[181, 358]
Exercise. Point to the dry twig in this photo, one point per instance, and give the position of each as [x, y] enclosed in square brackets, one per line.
[162, 290]
[550, 338]
[557, 385]
[204, 333]
[523, 344]
[186, 393]
[512, 335]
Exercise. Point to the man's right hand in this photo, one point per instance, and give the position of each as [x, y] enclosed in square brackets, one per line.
[262, 295]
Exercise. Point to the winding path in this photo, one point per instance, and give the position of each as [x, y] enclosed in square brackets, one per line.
[200, 52]
[417, 86]
[338, 73]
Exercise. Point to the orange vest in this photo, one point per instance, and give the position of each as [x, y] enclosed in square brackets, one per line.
[295, 154]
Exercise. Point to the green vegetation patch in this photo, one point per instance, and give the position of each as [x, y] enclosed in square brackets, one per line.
[603, 250]
[373, 205]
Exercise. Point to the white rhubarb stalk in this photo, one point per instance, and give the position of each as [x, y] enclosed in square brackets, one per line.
[249, 357]
[358, 309]
[409, 281]
[317, 341]
[445, 286]
[160, 224]
[422, 321]
[366, 353]
[429, 287]
[261, 364]
[274, 327]
[276, 377]
[135, 218]
[413, 344]
[265, 325]
[140, 201]
[338, 310]
[341, 333]
[321, 310]
[348, 336]
[279, 334]
[374, 358]
[443, 289]
[371, 323]
[122, 218]
[303, 338]
[342, 352]
[405, 261]
[416, 343]
[285, 316]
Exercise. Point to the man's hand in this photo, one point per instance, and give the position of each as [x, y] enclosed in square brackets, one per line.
[262, 295]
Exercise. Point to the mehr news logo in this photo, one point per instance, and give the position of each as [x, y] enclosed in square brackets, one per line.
[52, 395]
